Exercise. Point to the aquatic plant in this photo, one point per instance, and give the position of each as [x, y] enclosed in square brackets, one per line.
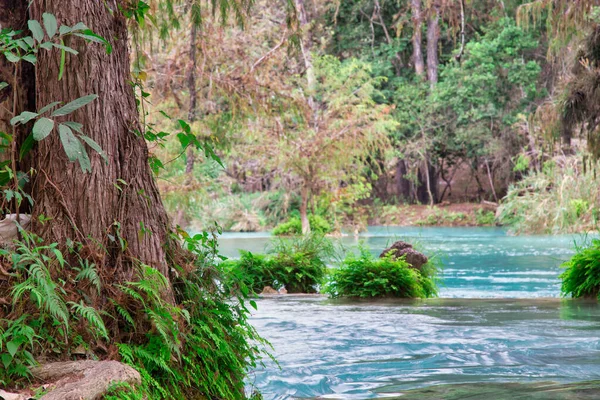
[581, 277]
[365, 276]
[298, 264]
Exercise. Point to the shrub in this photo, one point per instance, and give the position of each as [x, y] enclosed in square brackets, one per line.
[366, 276]
[561, 198]
[299, 264]
[582, 274]
[483, 217]
[252, 269]
[293, 226]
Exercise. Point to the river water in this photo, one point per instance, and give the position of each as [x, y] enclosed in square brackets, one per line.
[499, 318]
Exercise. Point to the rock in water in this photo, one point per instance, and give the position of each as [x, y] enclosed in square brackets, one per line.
[414, 258]
[269, 290]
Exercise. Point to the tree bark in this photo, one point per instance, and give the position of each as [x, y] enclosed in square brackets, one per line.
[417, 38]
[304, 211]
[118, 199]
[433, 37]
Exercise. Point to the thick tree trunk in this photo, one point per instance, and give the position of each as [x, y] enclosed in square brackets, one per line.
[433, 37]
[118, 199]
[417, 39]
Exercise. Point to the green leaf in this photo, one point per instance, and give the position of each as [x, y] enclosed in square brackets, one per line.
[11, 57]
[64, 29]
[65, 48]
[84, 159]
[36, 30]
[50, 24]
[12, 348]
[48, 107]
[26, 146]
[29, 41]
[92, 37]
[74, 105]
[23, 118]
[95, 146]
[253, 304]
[76, 126]
[61, 67]
[46, 45]
[80, 26]
[6, 359]
[3, 85]
[31, 58]
[70, 143]
[42, 128]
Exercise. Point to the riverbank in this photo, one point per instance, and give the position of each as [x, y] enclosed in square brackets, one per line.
[444, 214]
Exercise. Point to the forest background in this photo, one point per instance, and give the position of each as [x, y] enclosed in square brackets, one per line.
[365, 106]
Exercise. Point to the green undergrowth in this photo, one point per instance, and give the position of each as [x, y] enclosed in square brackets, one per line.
[293, 226]
[562, 197]
[297, 263]
[581, 277]
[365, 276]
[189, 337]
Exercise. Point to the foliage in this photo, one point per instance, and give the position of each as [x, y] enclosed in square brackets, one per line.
[562, 197]
[293, 226]
[298, 264]
[581, 277]
[485, 218]
[365, 276]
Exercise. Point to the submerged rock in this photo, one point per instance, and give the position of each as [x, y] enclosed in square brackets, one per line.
[414, 258]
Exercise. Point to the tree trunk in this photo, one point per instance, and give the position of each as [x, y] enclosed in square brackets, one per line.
[433, 37]
[193, 109]
[305, 47]
[118, 199]
[402, 183]
[304, 211]
[417, 18]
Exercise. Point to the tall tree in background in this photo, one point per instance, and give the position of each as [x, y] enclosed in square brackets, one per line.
[417, 18]
[433, 37]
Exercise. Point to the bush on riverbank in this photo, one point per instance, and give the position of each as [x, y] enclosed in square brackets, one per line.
[582, 275]
[298, 264]
[562, 197]
[293, 226]
[366, 276]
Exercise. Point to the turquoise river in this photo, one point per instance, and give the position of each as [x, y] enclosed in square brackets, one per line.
[499, 322]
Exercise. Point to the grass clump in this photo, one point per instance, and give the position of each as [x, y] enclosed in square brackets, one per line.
[365, 276]
[298, 264]
[581, 277]
[293, 226]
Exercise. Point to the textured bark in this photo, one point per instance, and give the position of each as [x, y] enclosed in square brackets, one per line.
[402, 183]
[118, 198]
[433, 37]
[417, 39]
[83, 380]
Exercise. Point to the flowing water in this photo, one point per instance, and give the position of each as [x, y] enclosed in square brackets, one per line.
[499, 318]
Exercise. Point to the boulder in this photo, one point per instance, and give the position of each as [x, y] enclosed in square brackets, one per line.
[83, 380]
[269, 290]
[414, 258]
